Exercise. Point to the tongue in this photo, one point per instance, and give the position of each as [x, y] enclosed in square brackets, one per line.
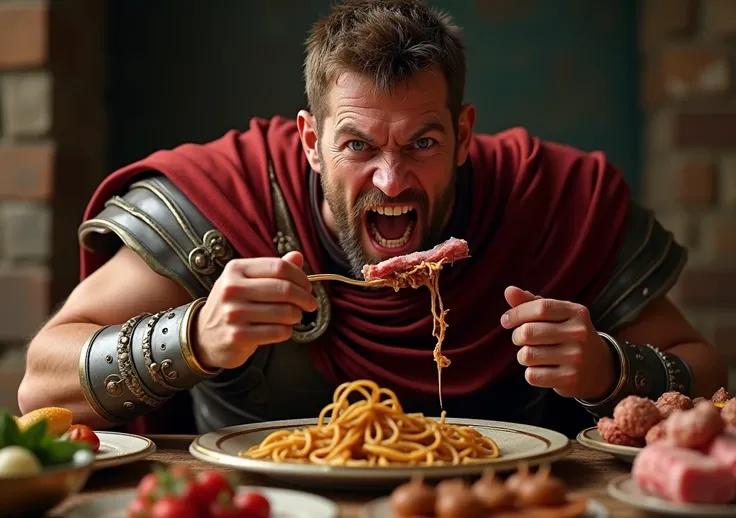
[391, 227]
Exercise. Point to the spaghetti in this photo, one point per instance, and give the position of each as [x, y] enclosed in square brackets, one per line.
[428, 274]
[375, 432]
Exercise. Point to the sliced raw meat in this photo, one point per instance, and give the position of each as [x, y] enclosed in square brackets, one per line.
[449, 251]
[683, 475]
[723, 450]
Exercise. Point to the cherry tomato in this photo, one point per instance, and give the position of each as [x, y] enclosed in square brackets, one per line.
[225, 509]
[211, 485]
[252, 505]
[147, 488]
[196, 496]
[138, 508]
[172, 507]
[83, 433]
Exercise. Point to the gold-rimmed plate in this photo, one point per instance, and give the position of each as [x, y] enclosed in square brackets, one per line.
[118, 448]
[591, 438]
[517, 443]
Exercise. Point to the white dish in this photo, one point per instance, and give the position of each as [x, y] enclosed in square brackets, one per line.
[625, 489]
[517, 443]
[117, 449]
[591, 438]
[284, 504]
[381, 508]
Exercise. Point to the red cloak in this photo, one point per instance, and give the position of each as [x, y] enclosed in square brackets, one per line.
[545, 217]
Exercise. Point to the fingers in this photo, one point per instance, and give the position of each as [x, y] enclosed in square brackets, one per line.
[551, 377]
[259, 313]
[539, 310]
[269, 333]
[549, 333]
[272, 268]
[550, 355]
[272, 291]
[515, 296]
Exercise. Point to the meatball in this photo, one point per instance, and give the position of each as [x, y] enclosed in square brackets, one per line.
[721, 396]
[656, 433]
[728, 412]
[696, 427]
[671, 401]
[612, 434]
[635, 415]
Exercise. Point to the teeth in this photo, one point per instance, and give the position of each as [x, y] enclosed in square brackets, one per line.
[393, 243]
[392, 210]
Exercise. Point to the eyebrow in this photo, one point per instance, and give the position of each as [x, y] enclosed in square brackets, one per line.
[352, 130]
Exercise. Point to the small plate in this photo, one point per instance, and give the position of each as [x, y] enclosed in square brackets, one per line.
[625, 489]
[284, 504]
[381, 508]
[517, 443]
[591, 438]
[121, 448]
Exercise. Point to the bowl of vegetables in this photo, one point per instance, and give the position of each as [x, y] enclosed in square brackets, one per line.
[40, 466]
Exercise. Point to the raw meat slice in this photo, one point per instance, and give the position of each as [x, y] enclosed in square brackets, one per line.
[683, 475]
[723, 450]
[451, 250]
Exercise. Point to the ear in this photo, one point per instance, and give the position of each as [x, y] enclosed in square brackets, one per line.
[465, 125]
[307, 127]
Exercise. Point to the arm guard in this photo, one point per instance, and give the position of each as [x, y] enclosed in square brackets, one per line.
[131, 369]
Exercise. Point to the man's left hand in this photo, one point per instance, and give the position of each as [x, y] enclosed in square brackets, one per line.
[559, 345]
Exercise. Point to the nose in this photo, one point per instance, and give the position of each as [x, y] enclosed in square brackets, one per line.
[391, 179]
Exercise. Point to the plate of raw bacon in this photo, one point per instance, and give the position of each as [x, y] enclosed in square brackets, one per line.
[688, 466]
[638, 422]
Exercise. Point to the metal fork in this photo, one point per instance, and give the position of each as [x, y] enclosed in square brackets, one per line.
[340, 278]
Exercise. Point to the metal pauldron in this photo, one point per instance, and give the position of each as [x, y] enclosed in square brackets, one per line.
[645, 371]
[129, 370]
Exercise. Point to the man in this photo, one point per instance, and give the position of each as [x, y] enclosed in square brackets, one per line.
[194, 261]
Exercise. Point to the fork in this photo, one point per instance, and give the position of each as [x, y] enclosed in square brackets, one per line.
[340, 278]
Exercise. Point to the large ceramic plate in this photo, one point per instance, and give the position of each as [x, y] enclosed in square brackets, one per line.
[590, 438]
[121, 448]
[381, 508]
[625, 489]
[284, 504]
[517, 443]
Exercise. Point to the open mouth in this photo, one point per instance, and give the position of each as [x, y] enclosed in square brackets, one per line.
[392, 227]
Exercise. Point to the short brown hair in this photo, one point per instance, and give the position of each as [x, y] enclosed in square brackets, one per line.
[387, 40]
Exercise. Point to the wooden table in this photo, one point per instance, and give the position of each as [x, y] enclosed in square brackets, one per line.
[583, 470]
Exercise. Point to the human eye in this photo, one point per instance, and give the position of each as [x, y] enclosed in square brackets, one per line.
[357, 145]
[424, 143]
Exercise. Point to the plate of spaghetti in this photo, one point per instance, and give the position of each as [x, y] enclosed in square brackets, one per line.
[364, 437]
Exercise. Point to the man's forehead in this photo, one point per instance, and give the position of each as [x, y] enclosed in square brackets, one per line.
[419, 98]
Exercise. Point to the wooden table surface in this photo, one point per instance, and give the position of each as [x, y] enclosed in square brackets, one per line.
[583, 470]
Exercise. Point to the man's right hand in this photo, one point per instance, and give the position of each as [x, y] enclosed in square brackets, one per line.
[254, 302]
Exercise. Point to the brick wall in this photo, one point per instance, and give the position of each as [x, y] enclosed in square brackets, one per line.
[26, 179]
[53, 132]
[688, 93]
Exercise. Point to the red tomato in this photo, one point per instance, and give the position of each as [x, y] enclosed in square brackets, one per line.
[252, 505]
[195, 494]
[211, 485]
[219, 509]
[83, 433]
[147, 488]
[172, 507]
[138, 508]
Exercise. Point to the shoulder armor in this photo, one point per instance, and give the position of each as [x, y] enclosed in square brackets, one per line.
[648, 264]
[157, 221]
